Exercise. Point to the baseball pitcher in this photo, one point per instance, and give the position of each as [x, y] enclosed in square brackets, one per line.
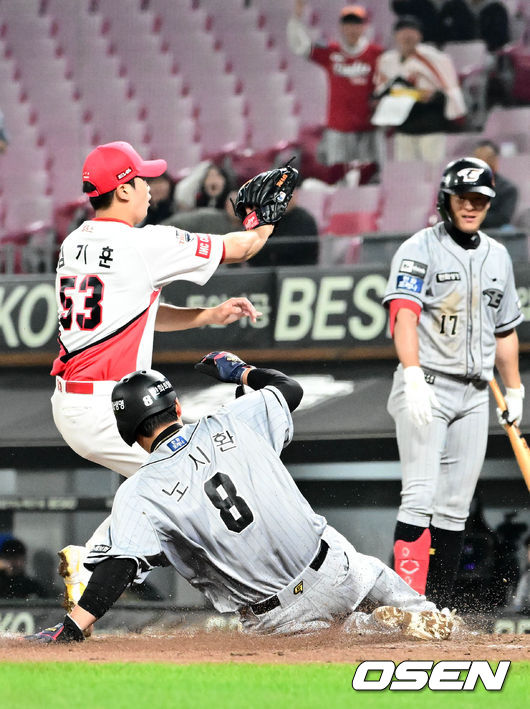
[214, 501]
[453, 313]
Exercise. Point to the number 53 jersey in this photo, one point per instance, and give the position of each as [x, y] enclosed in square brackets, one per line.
[467, 296]
[109, 278]
[216, 500]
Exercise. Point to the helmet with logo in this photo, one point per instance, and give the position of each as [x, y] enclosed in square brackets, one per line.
[461, 176]
[138, 396]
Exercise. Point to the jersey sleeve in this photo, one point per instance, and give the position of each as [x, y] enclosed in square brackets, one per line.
[409, 272]
[509, 314]
[172, 254]
[130, 536]
[267, 413]
[320, 54]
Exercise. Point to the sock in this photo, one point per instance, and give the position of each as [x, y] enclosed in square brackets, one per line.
[411, 554]
[445, 556]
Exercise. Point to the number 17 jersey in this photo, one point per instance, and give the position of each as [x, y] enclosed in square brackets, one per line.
[108, 284]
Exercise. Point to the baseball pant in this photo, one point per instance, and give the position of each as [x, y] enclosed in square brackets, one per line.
[427, 148]
[314, 600]
[441, 461]
[337, 147]
[87, 424]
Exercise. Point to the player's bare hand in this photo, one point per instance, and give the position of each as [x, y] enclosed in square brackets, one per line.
[299, 7]
[419, 395]
[234, 309]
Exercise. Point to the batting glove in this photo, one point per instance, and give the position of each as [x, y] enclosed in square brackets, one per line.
[419, 395]
[514, 407]
[66, 632]
[225, 366]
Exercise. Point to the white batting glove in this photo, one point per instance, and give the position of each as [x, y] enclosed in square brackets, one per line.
[514, 405]
[419, 395]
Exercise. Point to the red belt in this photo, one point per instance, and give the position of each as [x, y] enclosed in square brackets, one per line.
[77, 387]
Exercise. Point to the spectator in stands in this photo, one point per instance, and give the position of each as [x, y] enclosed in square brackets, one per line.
[429, 76]
[426, 12]
[14, 581]
[464, 20]
[216, 185]
[162, 204]
[350, 65]
[503, 205]
[3, 134]
[205, 186]
[208, 220]
[298, 232]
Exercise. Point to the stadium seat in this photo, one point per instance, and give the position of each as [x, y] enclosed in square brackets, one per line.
[352, 223]
[408, 194]
[509, 125]
[516, 169]
[315, 199]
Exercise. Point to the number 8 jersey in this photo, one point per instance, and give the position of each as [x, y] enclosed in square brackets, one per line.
[216, 500]
[467, 297]
[109, 279]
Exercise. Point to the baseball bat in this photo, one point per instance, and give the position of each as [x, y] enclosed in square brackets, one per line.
[519, 444]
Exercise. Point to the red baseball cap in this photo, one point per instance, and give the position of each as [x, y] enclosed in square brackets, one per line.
[113, 164]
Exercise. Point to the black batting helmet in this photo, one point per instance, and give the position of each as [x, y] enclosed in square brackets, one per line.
[138, 396]
[461, 176]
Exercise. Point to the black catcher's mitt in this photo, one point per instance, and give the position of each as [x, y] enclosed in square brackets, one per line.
[268, 195]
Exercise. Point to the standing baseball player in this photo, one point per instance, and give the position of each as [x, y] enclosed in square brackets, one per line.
[453, 312]
[215, 501]
[110, 276]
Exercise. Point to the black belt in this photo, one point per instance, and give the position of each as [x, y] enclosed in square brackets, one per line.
[431, 374]
[273, 602]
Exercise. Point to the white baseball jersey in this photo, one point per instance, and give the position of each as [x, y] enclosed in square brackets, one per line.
[426, 69]
[109, 278]
[216, 499]
[467, 296]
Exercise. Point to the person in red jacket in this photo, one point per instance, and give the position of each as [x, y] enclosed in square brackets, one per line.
[350, 66]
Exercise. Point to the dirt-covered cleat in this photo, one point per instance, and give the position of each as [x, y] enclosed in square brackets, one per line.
[458, 621]
[424, 625]
[74, 574]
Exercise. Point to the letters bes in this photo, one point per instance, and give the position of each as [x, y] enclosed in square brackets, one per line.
[302, 308]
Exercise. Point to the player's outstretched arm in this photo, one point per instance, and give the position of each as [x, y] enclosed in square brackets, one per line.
[170, 318]
[228, 367]
[241, 246]
[109, 580]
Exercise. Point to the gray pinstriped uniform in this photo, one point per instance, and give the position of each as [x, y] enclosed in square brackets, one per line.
[216, 500]
[467, 297]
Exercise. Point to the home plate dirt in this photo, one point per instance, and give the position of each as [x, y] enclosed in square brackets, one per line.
[231, 646]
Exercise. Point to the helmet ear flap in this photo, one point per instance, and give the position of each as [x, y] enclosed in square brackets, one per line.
[442, 205]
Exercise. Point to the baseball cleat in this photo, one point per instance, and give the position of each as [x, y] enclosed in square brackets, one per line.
[74, 574]
[60, 633]
[424, 625]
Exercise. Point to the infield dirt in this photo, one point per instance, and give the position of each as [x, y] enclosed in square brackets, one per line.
[232, 646]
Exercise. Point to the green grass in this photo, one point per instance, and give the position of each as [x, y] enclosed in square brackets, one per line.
[234, 686]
